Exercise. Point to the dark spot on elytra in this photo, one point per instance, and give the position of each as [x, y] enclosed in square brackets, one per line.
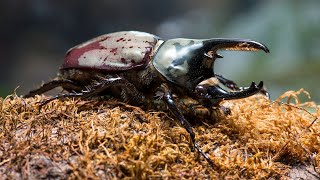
[129, 39]
[132, 61]
[105, 38]
[121, 39]
[123, 60]
[113, 50]
[131, 47]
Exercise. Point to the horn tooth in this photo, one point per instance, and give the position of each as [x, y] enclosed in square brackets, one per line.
[218, 56]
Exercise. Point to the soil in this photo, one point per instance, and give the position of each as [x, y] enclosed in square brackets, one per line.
[77, 139]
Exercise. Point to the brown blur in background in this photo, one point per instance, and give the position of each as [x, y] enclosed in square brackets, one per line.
[35, 34]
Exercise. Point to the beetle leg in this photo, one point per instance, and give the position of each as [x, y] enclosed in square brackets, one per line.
[228, 83]
[167, 97]
[129, 93]
[218, 94]
[65, 84]
[99, 87]
[59, 96]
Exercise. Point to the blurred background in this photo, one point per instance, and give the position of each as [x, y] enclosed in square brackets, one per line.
[35, 34]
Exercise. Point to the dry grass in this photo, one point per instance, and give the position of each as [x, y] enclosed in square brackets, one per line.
[90, 139]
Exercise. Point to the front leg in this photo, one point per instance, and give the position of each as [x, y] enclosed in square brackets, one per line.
[200, 110]
[168, 99]
[227, 82]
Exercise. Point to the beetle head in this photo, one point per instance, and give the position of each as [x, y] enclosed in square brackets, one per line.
[187, 62]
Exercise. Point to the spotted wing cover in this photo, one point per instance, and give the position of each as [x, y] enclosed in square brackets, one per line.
[112, 52]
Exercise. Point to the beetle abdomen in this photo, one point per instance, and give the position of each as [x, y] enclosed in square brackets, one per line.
[115, 51]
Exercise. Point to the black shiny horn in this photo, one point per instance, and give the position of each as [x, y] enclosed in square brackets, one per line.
[234, 45]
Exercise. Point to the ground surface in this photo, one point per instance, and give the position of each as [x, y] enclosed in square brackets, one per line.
[108, 139]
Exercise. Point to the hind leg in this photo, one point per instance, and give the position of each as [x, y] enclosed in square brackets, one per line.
[65, 84]
[129, 91]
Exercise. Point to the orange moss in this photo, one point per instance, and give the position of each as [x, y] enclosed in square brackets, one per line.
[86, 139]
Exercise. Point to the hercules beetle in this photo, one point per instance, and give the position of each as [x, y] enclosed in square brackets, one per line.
[137, 67]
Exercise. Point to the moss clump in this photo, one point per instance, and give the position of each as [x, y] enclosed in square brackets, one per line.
[109, 139]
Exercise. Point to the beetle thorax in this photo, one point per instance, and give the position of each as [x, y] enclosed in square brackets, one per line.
[182, 62]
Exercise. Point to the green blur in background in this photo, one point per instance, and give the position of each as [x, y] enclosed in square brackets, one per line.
[35, 34]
